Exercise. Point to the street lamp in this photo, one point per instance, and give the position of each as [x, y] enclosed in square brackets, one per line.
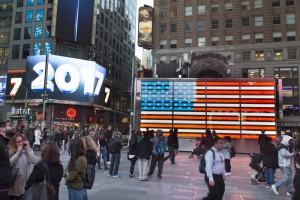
[26, 92]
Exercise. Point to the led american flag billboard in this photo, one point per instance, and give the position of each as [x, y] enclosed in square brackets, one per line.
[240, 108]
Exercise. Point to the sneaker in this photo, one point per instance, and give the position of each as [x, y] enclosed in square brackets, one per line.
[267, 187]
[289, 193]
[110, 175]
[158, 177]
[274, 188]
[149, 176]
[131, 175]
[115, 176]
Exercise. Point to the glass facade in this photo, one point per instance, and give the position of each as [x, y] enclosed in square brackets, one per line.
[38, 32]
[28, 17]
[37, 49]
[39, 15]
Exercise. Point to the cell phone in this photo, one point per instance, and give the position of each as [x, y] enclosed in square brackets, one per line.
[24, 145]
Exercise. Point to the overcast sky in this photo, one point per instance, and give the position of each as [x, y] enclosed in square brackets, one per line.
[140, 3]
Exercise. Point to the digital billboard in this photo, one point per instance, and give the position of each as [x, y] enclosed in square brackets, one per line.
[145, 27]
[2, 88]
[74, 21]
[68, 79]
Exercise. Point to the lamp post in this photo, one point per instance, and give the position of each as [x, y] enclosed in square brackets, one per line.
[45, 95]
[26, 92]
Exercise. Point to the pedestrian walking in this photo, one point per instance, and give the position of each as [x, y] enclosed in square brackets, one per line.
[21, 155]
[285, 162]
[270, 161]
[108, 135]
[103, 147]
[115, 145]
[75, 172]
[215, 170]
[49, 156]
[158, 152]
[171, 145]
[176, 142]
[261, 140]
[144, 151]
[226, 151]
[133, 142]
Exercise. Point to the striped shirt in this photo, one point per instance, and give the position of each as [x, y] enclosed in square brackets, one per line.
[214, 166]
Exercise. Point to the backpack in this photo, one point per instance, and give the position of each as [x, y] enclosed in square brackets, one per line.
[203, 162]
[89, 177]
[160, 147]
[232, 152]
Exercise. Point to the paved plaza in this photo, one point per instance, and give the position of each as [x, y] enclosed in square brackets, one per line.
[182, 181]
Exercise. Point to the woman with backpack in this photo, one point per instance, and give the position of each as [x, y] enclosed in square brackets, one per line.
[133, 142]
[75, 172]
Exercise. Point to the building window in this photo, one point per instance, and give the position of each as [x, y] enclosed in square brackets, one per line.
[39, 15]
[38, 32]
[40, 2]
[163, 28]
[48, 31]
[173, 28]
[28, 17]
[259, 56]
[290, 91]
[259, 38]
[188, 42]
[228, 6]
[19, 16]
[275, 3]
[246, 39]
[29, 3]
[246, 56]
[173, 12]
[258, 4]
[26, 50]
[48, 47]
[254, 73]
[289, 3]
[201, 9]
[163, 13]
[290, 109]
[173, 59]
[215, 41]
[292, 53]
[188, 26]
[27, 32]
[188, 11]
[201, 42]
[277, 55]
[245, 21]
[15, 51]
[4, 37]
[20, 3]
[290, 18]
[173, 44]
[291, 36]
[245, 5]
[163, 44]
[37, 49]
[17, 34]
[215, 24]
[163, 59]
[229, 40]
[4, 52]
[277, 37]
[276, 19]
[286, 72]
[228, 23]
[259, 21]
[49, 14]
[214, 8]
[201, 25]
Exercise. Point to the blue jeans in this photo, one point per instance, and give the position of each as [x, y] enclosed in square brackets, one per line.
[114, 163]
[172, 155]
[269, 176]
[103, 154]
[287, 179]
[77, 194]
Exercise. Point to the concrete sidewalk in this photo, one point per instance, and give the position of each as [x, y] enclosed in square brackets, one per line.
[182, 181]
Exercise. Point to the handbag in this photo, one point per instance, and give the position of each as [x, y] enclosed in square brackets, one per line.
[41, 191]
[14, 173]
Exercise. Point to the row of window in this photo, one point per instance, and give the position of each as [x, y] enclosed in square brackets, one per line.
[229, 40]
[245, 5]
[38, 30]
[4, 37]
[39, 16]
[5, 6]
[26, 50]
[279, 72]
[4, 52]
[20, 3]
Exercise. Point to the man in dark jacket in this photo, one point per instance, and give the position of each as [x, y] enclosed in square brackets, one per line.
[29, 133]
[133, 142]
[171, 145]
[144, 151]
[115, 146]
[270, 161]
[5, 171]
[108, 135]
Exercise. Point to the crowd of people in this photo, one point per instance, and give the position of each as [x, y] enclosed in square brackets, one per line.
[93, 146]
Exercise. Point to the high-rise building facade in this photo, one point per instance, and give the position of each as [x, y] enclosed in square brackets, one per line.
[34, 29]
[232, 39]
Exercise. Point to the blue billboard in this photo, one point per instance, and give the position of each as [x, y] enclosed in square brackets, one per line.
[3, 80]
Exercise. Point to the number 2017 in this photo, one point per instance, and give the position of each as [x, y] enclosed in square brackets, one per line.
[68, 87]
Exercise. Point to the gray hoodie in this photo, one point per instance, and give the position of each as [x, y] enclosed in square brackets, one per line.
[284, 156]
[159, 135]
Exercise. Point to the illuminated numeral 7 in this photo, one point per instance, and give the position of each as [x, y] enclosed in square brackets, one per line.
[100, 77]
[107, 93]
[16, 82]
